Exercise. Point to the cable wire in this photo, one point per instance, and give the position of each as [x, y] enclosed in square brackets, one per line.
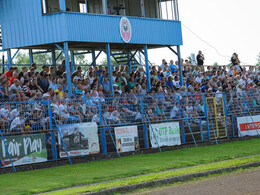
[224, 56]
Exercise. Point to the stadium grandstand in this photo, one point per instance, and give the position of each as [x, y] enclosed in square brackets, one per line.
[64, 102]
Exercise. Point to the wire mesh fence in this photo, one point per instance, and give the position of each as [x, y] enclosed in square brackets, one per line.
[43, 129]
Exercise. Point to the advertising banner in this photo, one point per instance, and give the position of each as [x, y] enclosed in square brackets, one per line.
[127, 138]
[167, 134]
[23, 149]
[249, 125]
[80, 139]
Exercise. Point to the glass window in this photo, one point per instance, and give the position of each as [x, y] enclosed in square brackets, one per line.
[76, 6]
[50, 6]
[95, 6]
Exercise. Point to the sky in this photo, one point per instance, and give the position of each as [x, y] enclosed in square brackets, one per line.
[223, 27]
[227, 25]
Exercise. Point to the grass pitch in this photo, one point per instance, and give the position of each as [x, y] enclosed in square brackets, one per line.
[79, 174]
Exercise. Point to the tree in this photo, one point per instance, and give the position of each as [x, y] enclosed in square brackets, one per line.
[189, 59]
[21, 58]
[258, 60]
[104, 61]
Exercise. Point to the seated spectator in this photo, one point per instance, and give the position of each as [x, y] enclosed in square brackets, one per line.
[15, 112]
[173, 67]
[5, 117]
[59, 91]
[16, 90]
[18, 124]
[53, 84]
[15, 76]
[9, 73]
[34, 87]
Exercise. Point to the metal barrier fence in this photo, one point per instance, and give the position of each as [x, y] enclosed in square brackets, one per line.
[45, 130]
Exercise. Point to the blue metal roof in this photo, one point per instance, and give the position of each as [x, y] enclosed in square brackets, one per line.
[23, 25]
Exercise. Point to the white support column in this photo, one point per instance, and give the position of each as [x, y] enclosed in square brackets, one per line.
[104, 6]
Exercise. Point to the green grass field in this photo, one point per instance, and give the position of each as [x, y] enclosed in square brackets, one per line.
[67, 176]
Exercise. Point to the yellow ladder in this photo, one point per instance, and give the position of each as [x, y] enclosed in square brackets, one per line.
[217, 113]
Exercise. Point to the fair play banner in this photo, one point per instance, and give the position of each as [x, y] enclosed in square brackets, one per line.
[167, 134]
[127, 138]
[80, 139]
[249, 125]
[23, 149]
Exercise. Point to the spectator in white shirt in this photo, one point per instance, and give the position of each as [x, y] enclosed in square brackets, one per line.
[18, 124]
[176, 82]
[15, 112]
[230, 72]
[96, 118]
[175, 111]
[5, 117]
[219, 93]
[199, 78]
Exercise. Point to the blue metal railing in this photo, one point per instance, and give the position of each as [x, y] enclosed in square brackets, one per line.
[131, 111]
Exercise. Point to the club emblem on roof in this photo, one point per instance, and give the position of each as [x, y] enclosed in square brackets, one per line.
[125, 29]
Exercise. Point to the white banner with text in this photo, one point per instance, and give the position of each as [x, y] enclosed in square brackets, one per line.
[249, 125]
[167, 134]
[127, 138]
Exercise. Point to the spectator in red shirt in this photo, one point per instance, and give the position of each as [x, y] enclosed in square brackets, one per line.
[9, 73]
[15, 76]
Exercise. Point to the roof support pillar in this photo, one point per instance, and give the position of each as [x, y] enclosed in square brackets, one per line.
[53, 56]
[67, 65]
[129, 54]
[31, 56]
[9, 57]
[93, 57]
[148, 77]
[180, 64]
[72, 60]
[109, 68]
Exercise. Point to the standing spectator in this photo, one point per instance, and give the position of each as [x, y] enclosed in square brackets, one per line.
[200, 60]
[236, 62]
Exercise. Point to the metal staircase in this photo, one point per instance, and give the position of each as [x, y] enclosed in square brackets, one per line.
[122, 58]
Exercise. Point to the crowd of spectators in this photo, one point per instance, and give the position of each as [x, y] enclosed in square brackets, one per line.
[45, 91]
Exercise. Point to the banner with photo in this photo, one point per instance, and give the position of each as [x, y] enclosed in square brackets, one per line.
[249, 125]
[127, 138]
[23, 149]
[167, 134]
[80, 139]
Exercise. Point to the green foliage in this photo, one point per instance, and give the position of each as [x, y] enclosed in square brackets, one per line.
[189, 59]
[104, 61]
[258, 60]
[46, 58]
[21, 58]
[66, 176]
